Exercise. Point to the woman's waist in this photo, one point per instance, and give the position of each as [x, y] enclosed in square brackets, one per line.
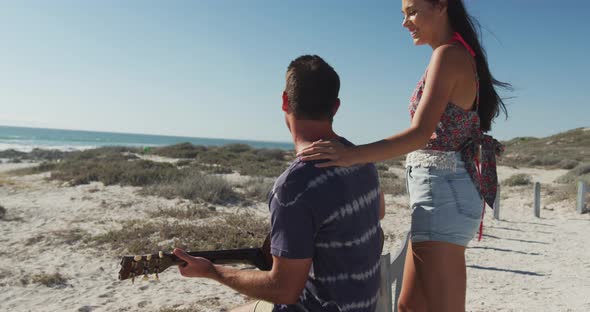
[440, 159]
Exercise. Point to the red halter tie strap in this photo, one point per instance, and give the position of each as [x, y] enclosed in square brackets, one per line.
[457, 37]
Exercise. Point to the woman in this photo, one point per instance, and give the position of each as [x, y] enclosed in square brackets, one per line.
[452, 106]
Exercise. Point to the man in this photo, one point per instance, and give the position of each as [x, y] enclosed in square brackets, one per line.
[325, 234]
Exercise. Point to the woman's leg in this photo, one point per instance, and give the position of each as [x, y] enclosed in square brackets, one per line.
[411, 297]
[441, 272]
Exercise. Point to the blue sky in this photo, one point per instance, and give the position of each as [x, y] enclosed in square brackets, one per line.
[216, 68]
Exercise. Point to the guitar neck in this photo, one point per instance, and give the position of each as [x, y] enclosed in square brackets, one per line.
[252, 256]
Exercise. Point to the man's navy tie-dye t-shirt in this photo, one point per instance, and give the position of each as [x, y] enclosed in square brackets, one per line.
[332, 216]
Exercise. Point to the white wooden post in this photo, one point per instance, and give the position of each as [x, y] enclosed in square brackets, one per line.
[392, 271]
[537, 204]
[397, 269]
[497, 204]
[581, 205]
[385, 302]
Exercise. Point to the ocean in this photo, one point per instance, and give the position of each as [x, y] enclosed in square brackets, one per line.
[26, 139]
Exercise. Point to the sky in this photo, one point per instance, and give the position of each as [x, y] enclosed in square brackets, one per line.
[215, 68]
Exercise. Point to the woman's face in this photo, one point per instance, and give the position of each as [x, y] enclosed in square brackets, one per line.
[423, 19]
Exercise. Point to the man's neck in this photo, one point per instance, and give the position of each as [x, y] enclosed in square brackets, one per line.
[305, 132]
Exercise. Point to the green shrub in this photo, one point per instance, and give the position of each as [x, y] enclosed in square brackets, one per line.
[191, 212]
[11, 154]
[183, 163]
[560, 193]
[229, 158]
[236, 148]
[390, 183]
[139, 236]
[181, 150]
[258, 189]
[563, 150]
[518, 180]
[396, 162]
[113, 171]
[195, 186]
[579, 173]
[55, 280]
[567, 164]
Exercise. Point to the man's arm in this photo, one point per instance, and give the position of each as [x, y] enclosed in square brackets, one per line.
[281, 285]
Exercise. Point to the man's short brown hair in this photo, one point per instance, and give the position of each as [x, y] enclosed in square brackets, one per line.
[312, 88]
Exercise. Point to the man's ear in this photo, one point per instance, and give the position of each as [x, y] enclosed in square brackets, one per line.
[335, 107]
[285, 105]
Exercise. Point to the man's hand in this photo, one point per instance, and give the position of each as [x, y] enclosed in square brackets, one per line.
[195, 266]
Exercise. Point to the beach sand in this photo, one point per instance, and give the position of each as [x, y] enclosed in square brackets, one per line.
[523, 263]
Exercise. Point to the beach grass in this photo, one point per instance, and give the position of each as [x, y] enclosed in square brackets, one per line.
[53, 280]
[257, 188]
[191, 212]
[390, 183]
[565, 150]
[196, 186]
[579, 173]
[240, 158]
[554, 194]
[149, 236]
[518, 180]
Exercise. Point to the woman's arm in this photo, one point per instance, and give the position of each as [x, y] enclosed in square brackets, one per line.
[440, 83]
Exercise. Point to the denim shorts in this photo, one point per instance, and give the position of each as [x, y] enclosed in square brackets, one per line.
[445, 204]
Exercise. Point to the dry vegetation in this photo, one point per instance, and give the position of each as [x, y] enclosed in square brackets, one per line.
[194, 179]
[54, 280]
[258, 188]
[555, 194]
[518, 180]
[194, 185]
[390, 183]
[567, 150]
[190, 212]
[35, 155]
[195, 226]
[141, 236]
[581, 172]
[167, 229]
[234, 157]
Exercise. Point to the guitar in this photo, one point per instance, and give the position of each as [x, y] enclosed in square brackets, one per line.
[134, 266]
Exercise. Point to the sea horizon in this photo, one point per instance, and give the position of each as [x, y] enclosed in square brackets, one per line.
[25, 139]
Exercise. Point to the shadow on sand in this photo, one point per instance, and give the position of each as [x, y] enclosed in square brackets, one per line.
[515, 230]
[516, 240]
[507, 250]
[532, 223]
[504, 270]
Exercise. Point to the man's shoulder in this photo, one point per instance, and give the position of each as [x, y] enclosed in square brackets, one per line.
[304, 175]
[297, 175]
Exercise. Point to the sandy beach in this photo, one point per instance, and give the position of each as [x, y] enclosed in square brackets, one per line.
[523, 263]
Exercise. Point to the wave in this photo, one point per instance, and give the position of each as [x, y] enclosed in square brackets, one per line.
[29, 148]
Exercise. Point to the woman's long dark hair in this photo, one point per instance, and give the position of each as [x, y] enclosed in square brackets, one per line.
[490, 103]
